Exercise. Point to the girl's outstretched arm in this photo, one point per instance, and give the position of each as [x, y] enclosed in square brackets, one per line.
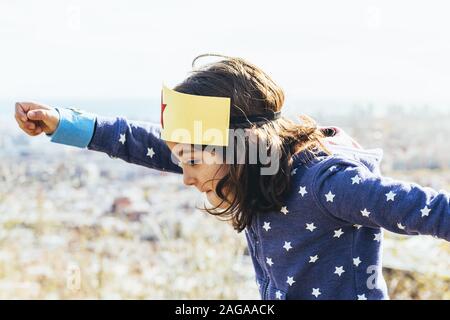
[349, 191]
[134, 142]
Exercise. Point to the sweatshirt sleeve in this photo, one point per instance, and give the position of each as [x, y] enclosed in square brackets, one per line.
[349, 191]
[132, 141]
[75, 128]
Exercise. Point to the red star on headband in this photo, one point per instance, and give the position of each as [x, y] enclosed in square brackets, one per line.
[163, 107]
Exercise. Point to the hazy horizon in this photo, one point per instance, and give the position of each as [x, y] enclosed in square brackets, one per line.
[149, 109]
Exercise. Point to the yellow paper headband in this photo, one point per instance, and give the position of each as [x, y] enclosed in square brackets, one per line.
[202, 120]
[192, 119]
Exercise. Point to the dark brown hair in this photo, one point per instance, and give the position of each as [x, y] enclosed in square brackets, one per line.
[253, 92]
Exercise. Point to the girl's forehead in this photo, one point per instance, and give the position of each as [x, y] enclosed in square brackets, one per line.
[183, 149]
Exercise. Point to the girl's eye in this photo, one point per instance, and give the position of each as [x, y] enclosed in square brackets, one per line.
[192, 162]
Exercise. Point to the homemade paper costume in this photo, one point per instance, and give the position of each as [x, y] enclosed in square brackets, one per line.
[202, 120]
[326, 241]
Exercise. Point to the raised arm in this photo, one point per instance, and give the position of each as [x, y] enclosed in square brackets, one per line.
[349, 191]
[132, 141]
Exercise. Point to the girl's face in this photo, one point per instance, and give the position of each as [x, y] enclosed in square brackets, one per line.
[201, 169]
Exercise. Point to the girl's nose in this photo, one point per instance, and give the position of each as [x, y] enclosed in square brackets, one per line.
[188, 180]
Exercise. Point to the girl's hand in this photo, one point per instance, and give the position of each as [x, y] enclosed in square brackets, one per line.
[34, 118]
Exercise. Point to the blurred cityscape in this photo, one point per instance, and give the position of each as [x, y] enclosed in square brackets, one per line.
[77, 224]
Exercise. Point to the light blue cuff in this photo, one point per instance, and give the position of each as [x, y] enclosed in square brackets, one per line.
[75, 128]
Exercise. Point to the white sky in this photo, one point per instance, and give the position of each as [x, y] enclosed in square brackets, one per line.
[351, 50]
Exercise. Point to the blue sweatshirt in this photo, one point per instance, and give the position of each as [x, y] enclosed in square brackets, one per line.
[326, 242]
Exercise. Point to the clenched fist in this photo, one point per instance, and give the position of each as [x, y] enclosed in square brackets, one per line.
[34, 118]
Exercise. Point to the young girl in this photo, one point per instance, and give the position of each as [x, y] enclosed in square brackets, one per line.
[314, 225]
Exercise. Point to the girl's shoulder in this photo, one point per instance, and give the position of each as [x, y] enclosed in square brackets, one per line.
[306, 168]
[340, 169]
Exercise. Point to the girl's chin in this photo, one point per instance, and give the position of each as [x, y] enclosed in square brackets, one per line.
[211, 199]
